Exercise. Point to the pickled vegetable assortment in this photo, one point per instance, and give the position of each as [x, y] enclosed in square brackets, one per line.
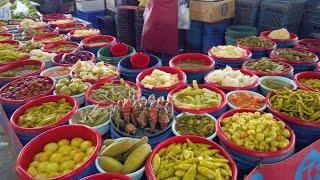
[20, 71]
[191, 63]
[311, 83]
[266, 65]
[45, 114]
[87, 70]
[246, 100]
[26, 88]
[159, 79]
[72, 58]
[276, 84]
[256, 131]
[98, 42]
[94, 116]
[124, 156]
[304, 105]
[61, 21]
[195, 97]
[10, 55]
[52, 39]
[86, 32]
[292, 54]
[4, 46]
[63, 71]
[63, 47]
[71, 87]
[199, 125]
[255, 42]
[112, 92]
[313, 45]
[190, 161]
[60, 158]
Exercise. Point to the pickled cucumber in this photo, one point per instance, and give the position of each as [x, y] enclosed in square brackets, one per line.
[110, 164]
[137, 158]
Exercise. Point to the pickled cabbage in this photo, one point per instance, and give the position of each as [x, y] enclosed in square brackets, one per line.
[228, 51]
[160, 78]
[280, 34]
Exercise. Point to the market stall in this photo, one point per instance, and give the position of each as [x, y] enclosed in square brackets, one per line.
[77, 103]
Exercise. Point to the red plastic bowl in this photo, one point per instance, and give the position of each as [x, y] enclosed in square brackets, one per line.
[55, 60]
[16, 43]
[197, 56]
[101, 83]
[273, 46]
[246, 56]
[181, 139]
[119, 49]
[203, 110]
[107, 79]
[299, 44]
[7, 101]
[10, 36]
[108, 176]
[139, 61]
[261, 73]
[49, 47]
[22, 63]
[52, 24]
[265, 34]
[306, 75]
[66, 28]
[40, 37]
[233, 88]
[55, 16]
[79, 38]
[37, 102]
[181, 75]
[287, 118]
[290, 61]
[109, 41]
[249, 152]
[53, 135]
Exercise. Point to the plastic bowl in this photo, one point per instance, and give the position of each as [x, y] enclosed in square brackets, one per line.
[55, 16]
[161, 91]
[26, 134]
[51, 47]
[69, 131]
[287, 74]
[181, 139]
[52, 24]
[231, 106]
[8, 35]
[43, 73]
[119, 49]
[137, 175]
[306, 75]
[139, 61]
[40, 37]
[291, 61]
[16, 43]
[55, 60]
[85, 43]
[215, 111]
[173, 127]
[194, 73]
[109, 176]
[78, 39]
[265, 90]
[78, 97]
[252, 87]
[107, 79]
[104, 55]
[281, 43]
[256, 51]
[88, 93]
[221, 62]
[5, 80]
[301, 45]
[240, 31]
[66, 28]
[251, 158]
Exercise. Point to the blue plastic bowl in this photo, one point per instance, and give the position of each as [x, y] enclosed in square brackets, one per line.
[128, 74]
[265, 90]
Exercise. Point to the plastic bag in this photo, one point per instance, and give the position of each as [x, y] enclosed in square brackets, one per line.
[160, 30]
[184, 15]
[21, 9]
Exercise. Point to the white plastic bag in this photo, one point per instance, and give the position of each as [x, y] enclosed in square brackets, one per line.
[184, 15]
[21, 9]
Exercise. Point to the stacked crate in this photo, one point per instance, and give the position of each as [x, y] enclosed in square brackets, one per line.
[310, 26]
[247, 12]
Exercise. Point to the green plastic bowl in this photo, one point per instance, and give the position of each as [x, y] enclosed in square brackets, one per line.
[236, 32]
[104, 55]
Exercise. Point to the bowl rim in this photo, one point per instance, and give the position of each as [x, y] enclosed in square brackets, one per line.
[280, 78]
[296, 79]
[232, 106]
[298, 45]
[175, 132]
[272, 46]
[202, 57]
[290, 61]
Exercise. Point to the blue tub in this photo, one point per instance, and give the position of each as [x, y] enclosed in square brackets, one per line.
[303, 67]
[129, 74]
[153, 140]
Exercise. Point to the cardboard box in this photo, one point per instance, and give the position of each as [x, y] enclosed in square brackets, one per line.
[212, 11]
[90, 5]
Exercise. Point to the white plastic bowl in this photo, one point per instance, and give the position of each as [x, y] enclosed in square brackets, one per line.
[231, 106]
[78, 97]
[173, 127]
[137, 175]
[102, 128]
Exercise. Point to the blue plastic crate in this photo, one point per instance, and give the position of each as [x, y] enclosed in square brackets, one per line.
[247, 12]
[90, 16]
[213, 34]
[310, 23]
